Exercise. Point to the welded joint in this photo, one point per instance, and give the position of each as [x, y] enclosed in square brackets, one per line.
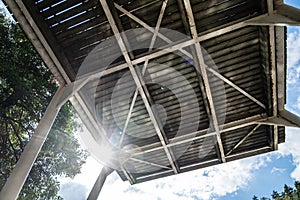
[283, 15]
[65, 93]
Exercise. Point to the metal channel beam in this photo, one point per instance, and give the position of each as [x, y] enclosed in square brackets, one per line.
[202, 66]
[289, 11]
[243, 139]
[193, 56]
[284, 15]
[153, 39]
[128, 175]
[240, 24]
[137, 80]
[205, 133]
[149, 163]
[291, 117]
[131, 56]
[273, 73]
[236, 87]
[118, 25]
[280, 120]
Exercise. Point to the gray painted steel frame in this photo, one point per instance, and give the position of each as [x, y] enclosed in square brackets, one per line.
[61, 66]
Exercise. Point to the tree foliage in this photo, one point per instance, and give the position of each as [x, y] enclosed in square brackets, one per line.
[26, 88]
[288, 193]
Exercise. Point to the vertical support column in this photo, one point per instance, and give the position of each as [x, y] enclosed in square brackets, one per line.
[17, 178]
[99, 183]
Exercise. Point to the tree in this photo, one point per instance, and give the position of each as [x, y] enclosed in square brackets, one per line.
[288, 193]
[26, 88]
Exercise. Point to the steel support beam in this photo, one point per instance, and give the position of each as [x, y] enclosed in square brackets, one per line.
[153, 39]
[118, 26]
[284, 15]
[202, 67]
[205, 133]
[243, 139]
[138, 82]
[17, 178]
[84, 112]
[249, 153]
[99, 183]
[274, 19]
[273, 74]
[278, 121]
[193, 56]
[281, 67]
[139, 74]
[292, 118]
[236, 87]
[240, 24]
[150, 163]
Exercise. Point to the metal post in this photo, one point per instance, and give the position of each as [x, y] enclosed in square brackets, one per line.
[99, 183]
[17, 178]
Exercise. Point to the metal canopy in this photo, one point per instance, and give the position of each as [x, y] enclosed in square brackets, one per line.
[233, 60]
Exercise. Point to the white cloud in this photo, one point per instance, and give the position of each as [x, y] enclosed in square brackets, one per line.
[293, 60]
[277, 170]
[73, 191]
[207, 183]
[292, 147]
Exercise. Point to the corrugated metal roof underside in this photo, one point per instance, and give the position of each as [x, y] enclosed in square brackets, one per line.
[173, 81]
[78, 26]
